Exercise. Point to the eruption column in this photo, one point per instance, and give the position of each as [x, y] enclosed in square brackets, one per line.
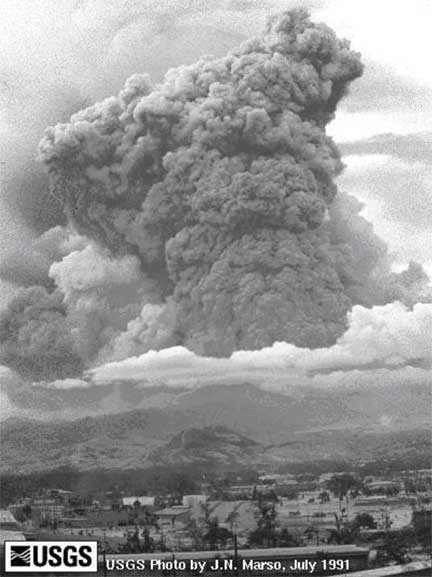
[219, 180]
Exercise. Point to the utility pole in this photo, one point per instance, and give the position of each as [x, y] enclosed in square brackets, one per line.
[236, 558]
[174, 559]
[104, 555]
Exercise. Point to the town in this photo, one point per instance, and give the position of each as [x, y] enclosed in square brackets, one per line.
[386, 516]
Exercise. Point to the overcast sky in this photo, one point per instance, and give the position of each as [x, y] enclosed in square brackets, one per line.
[58, 54]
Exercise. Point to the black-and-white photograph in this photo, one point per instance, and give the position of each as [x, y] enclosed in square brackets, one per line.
[216, 287]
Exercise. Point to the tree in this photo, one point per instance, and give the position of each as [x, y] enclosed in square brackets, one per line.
[324, 497]
[196, 534]
[149, 519]
[205, 509]
[312, 533]
[397, 545]
[148, 545]
[410, 486]
[344, 532]
[392, 491]
[215, 534]
[133, 544]
[422, 526]
[285, 539]
[211, 535]
[232, 519]
[23, 514]
[364, 520]
[265, 532]
[180, 483]
[340, 485]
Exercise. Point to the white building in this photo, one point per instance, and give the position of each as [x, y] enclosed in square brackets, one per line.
[10, 529]
[193, 500]
[143, 501]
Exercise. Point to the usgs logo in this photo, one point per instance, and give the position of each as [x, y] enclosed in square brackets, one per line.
[51, 556]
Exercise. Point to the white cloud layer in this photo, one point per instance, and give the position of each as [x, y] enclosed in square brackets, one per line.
[379, 339]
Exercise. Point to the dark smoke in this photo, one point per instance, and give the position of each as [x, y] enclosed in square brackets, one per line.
[219, 179]
[35, 336]
[205, 213]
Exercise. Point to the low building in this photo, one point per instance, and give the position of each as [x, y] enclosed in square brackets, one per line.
[193, 500]
[176, 517]
[324, 478]
[141, 501]
[277, 479]
[249, 491]
[61, 495]
[382, 500]
[383, 486]
[47, 509]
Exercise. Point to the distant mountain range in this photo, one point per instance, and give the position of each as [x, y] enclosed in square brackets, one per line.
[231, 424]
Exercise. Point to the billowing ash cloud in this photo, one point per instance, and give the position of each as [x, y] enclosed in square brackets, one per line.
[29, 263]
[35, 336]
[219, 180]
[205, 214]
[101, 293]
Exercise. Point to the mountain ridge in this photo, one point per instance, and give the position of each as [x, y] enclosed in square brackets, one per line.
[308, 421]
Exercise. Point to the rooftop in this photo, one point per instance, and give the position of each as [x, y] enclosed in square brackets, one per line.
[173, 511]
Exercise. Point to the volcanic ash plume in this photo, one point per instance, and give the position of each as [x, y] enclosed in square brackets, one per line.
[219, 181]
[101, 293]
[35, 336]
